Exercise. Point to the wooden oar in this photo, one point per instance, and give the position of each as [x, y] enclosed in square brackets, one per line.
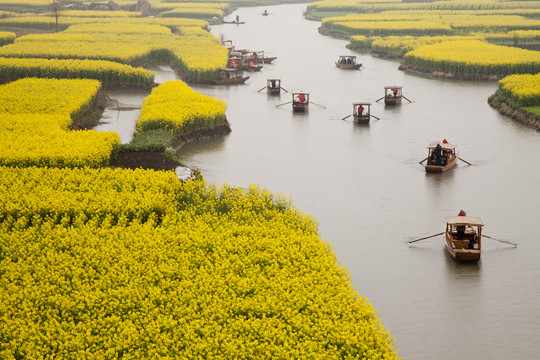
[346, 117]
[406, 99]
[424, 238]
[380, 99]
[375, 117]
[262, 89]
[288, 102]
[423, 160]
[318, 104]
[503, 241]
[284, 89]
[464, 161]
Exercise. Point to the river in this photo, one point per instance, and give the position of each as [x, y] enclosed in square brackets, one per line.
[364, 185]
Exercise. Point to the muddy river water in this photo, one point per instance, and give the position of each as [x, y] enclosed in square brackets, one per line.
[364, 185]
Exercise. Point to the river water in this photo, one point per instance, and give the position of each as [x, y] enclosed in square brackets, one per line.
[364, 185]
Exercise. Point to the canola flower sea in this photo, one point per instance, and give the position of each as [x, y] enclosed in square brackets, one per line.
[174, 106]
[520, 90]
[199, 54]
[474, 57]
[214, 273]
[35, 116]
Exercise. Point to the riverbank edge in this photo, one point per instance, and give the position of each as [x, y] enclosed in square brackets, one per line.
[166, 160]
[521, 116]
[446, 75]
[146, 159]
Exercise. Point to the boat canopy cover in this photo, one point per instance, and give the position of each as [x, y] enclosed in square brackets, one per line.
[464, 220]
[444, 146]
[393, 87]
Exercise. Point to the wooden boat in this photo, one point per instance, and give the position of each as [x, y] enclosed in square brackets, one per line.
[229, 77]
[300, 101]
[273, 86]
[228, 44]
[393, 95]
[443, 161]
[348, 62]
[463, 237]
[258, 57]
[362, 112]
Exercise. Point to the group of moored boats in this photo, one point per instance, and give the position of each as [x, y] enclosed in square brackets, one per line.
[241, 60]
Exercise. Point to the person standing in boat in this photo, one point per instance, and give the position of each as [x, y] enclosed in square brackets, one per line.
[394, 91]
[438, 154]
[360, 110]
[461, 229]
[237, 19]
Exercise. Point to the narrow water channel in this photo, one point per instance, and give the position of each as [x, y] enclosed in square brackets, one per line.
[364, 185]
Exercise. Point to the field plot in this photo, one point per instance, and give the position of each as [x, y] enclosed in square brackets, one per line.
[177, 108]
[35, 115]
[199, 272]
[474, 57]
[198, 54]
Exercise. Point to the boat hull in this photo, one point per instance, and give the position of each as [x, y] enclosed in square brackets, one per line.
[457, 249]
[392, 101]
[300, 107]
[231, 81]
[273, 91]
[348, 66]
[464, 255]
[441, 168]
[361, 119]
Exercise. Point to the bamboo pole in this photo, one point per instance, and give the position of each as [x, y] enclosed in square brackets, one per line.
[424, 238]
[503, 241]
[464, 161]
[288, 102]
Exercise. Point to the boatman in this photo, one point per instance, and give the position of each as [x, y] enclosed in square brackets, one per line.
[461, 229]
[394, 90]
[360, 110]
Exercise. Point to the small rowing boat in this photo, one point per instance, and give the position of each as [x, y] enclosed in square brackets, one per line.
[362, 112]
[463, 237]
[300, 101]
[230, 77]
[348, 62]
[441, 157]
[392, 95]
